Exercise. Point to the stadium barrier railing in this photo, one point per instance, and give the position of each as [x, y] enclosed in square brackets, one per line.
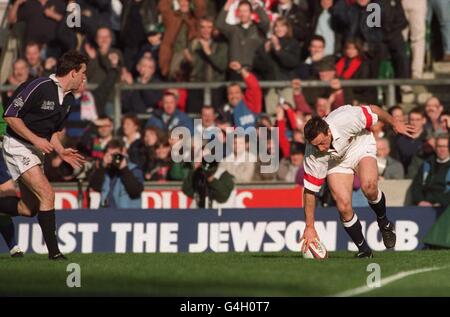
[389, 86]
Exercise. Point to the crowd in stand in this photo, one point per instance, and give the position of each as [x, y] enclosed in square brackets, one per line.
[166, 41]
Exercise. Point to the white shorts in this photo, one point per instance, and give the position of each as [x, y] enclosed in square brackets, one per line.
[363, 146]
[20, 156]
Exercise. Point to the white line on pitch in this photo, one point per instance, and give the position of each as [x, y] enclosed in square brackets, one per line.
[386, 281]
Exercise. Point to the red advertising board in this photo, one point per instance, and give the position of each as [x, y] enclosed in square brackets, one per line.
[173, 198]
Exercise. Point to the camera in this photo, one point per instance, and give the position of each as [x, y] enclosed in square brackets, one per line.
[116, 160]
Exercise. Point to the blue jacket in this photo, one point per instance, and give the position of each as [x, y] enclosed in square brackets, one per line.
[115, 188]
[243, 116]
[178, 119]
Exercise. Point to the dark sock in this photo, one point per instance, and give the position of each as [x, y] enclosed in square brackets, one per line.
[354, 230]
[8, 233]
[8, 205]
[47, 222]
[380, 210]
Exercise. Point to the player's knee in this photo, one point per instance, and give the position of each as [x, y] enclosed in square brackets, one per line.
[47, 197]
[370, 189]
[344, 205]
[27, 211]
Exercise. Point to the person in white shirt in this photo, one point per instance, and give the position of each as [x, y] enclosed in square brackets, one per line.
[338, 146]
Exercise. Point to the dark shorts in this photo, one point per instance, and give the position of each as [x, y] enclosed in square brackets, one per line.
[4, 173]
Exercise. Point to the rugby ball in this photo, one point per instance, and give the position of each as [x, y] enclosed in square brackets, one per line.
[316, 250]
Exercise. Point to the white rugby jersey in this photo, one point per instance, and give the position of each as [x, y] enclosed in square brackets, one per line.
[346, 123]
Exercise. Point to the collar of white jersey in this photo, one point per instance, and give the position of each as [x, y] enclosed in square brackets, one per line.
[335, 134]
[61, 93]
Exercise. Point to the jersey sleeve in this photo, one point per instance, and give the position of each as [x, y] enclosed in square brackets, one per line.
[315, 170]
[365, 118]
[22, 100]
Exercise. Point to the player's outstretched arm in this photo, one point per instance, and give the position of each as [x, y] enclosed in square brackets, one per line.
[19, 127]
[310, 234]
[399, 127]
[68, 155]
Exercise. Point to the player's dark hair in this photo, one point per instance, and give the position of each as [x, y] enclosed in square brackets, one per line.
[393, 108]
[133, 118]
[246, 2]
[317, 37]
[417, 110]
[115, 144]
[314, 127]
[71, 60]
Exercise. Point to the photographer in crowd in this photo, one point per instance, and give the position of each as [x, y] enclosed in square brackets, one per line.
[206, 183]
[119, 181]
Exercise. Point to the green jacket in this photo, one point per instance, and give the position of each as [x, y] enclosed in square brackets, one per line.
[243, 43]
[432, 183]
[220, 187]
[207, 68]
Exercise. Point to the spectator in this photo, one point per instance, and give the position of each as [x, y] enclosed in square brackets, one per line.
[416, 13]
[119, 181]
[286, 123]
[434, 110]
[308, 70]
[207, 118]
[278, 59]
[325, 99]
[135, 18]
[242, 108]
[241, 163]
[41, 18]
[399, 115]
[246, 37]
[99, 61]
[151, 48]
[297, 18]
[425, 152]
[323, 24]
[20, 74]
[405, 147]
[431, 184]
[169, 116]
[89, 105]
[132, 137]
[33, 58]
[207, 183]
[393, 22]
[141, 101]
[289, 167]
[207, 59]
[259, 175]
[354, 65]
[351, 19]
[441, 8]
[445, 122]
[158, 168]
[180, 26]
[388, 168]
[152, 136]
[95, 139]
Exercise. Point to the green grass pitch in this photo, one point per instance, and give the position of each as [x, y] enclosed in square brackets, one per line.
[226, 274]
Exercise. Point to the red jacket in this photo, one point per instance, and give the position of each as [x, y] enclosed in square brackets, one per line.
[253, 97]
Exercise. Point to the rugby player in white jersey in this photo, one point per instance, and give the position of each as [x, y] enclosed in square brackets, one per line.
[338, 146]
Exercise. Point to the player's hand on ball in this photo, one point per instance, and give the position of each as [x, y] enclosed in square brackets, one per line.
[309, 235]
[43, 144]
[71, 156]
